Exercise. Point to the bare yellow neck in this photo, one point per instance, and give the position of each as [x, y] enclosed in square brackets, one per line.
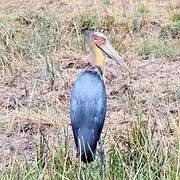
[99, 56]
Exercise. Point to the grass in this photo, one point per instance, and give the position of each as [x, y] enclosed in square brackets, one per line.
[162, 43]
[139, 158]
[170, 31]
[41, 50]
[142, 10]
[26, 37]
[107, 2]
[157, 49]
[43, 32]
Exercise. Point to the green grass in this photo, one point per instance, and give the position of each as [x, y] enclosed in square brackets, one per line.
[143, 154]
[157, 49]
[27, 37]
[175, 17]
[107, 2]
[141, 14]
[142, 10]
[171, 30]
[29, 34]
[141, 158]
[164, 42]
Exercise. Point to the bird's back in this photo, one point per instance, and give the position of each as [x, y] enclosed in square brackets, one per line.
[87, 111]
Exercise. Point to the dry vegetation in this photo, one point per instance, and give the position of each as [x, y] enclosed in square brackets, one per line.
[41, 53]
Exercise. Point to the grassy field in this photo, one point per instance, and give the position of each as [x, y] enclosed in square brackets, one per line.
[41, 53]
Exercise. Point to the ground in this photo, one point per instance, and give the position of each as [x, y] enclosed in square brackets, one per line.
[34, 99]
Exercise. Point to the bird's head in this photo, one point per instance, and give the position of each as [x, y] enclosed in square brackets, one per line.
[100, 44]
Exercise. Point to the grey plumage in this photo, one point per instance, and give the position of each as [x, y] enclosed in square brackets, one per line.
[87, 111]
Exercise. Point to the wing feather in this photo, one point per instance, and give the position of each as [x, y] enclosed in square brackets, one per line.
[88, 104]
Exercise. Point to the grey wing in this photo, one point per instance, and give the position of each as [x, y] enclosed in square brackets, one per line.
[75, 115]
[98, 114]
[88, 110]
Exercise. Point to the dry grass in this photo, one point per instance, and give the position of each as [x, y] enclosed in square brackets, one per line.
[41, 53]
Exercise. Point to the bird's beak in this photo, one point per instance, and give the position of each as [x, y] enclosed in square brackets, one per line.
[113, 54]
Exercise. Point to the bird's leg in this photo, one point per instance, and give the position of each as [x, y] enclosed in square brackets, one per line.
[102, 159]
[83, 171]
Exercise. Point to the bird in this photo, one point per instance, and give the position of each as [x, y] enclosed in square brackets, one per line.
[88, 103]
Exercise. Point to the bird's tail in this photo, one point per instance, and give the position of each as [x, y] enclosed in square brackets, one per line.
[87, 143]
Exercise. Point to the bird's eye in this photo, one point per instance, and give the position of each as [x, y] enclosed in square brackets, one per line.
[99, 40]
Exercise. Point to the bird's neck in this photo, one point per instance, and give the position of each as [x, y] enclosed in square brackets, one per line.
[99, 56]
